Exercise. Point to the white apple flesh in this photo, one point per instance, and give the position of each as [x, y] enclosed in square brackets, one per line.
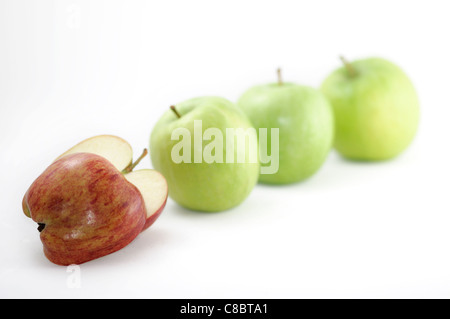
[154, 190]
[115, 149]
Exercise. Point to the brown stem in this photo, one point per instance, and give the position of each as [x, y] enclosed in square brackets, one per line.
[280, 79]
[350, 69]
[130, 167]
[172, 107]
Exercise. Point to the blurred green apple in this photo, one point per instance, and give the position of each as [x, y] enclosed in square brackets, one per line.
[376, 109]
[192, 145]
[305, 122]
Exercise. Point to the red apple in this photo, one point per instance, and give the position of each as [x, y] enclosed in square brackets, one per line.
[89, 205]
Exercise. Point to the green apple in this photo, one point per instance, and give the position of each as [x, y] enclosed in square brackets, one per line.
[376, 109]
[304, 119]
[190, 147]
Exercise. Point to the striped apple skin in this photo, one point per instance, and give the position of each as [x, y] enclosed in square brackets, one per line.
[85, 207]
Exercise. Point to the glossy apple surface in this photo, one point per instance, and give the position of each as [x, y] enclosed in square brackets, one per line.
[90, 202]
[85, 207]
[376, 109]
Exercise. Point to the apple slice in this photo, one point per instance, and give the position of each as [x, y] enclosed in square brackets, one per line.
[154, 190]
[115, 149]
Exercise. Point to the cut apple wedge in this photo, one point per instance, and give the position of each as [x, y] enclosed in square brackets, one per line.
[89, 203]
[154, 190]
[115, 149]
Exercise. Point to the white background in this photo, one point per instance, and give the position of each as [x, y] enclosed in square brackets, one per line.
[74, 69]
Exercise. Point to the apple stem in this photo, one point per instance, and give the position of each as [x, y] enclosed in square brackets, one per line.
[172, 107]
[348, 66]
[130, 167]
[280, 79]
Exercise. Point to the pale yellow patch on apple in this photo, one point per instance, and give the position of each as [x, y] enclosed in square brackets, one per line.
[115, 149]
[153, 188]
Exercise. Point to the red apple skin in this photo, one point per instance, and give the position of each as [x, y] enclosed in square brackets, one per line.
[88, 207]
[150, 220]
